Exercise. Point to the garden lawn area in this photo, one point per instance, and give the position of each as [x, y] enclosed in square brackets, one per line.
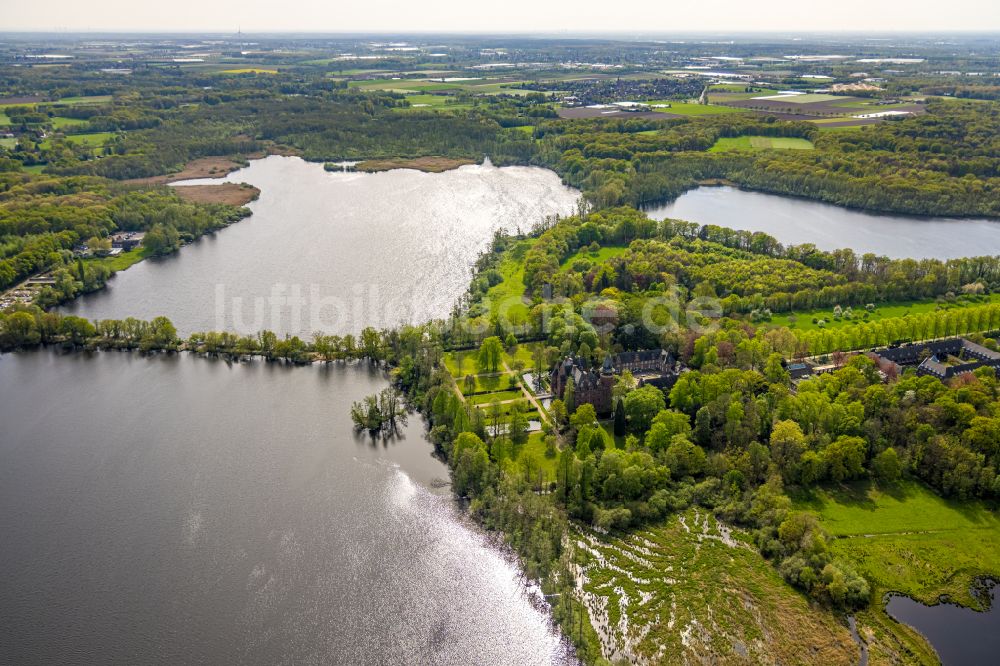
[905, 538]
[121, 261]
[499, 396]
[803, 320]
[760, 143]
[486, 383]
[522, 352]
[694, 109]
[8, 142]
[4, 120]
[507, 408]
[687, 590]
[529, 458]
[462, 363]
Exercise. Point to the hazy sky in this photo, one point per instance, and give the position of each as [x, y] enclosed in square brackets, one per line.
[510, 15]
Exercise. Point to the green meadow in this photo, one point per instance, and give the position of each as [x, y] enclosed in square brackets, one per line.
[760, 143]
[803, 321]
[905, 538]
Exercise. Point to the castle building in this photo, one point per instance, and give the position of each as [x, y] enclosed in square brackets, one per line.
[655, 367]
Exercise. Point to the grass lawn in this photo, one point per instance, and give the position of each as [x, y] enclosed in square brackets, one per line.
[693, 109]
[93, 99]
[8, 142]
[34, 168]
[507, 408]
[487, 384]
[60, 122]
[595, 258]
[462, 363]
[507, 297]
[528, 458]
[4, 120]
[521, 353]
[905, 538]
[429, 102]
[686, 591]
[760, 143]
[121, 261]
[499, 396]
[803, 320]
[91, 139]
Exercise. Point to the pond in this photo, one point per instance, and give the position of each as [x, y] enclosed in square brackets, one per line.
[335, 251]
[194, 511]
[794, 221]
[961, 636]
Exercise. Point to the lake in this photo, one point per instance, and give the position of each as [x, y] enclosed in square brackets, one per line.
[194, 511]
[335, 251]
[794, 221]
[961, 636]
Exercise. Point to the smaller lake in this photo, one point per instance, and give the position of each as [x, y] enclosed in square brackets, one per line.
[961, 636]
[794, 221]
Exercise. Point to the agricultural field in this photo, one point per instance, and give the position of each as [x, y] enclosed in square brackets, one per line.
[731, 92]
[249, 70]
[803, 321]
[93, 99]
[726, 144]
[693, 108]
[693, 590]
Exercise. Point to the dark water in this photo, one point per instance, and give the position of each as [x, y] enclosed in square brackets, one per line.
[195, 512]
[335, 251]
[961, 636]
[795, 221]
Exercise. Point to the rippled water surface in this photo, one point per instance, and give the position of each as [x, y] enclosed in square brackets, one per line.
[795, 221]
[961, 636]
[182, 510]
[335, 251]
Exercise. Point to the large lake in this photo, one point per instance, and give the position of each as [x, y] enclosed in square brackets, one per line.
[191, 511]
[794, 221]
[335, 251]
